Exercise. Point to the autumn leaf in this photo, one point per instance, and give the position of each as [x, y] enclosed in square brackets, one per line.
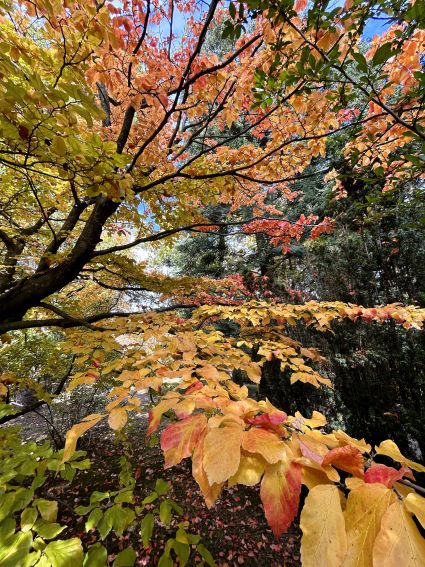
[346, 458]
[324, 540]
[209, 492]
[416, 505]
[399, 543]
[280, 493]
[384, 475]
[265, 443]
[222, 452]
[390, 449]
[179, 439]
[117, 418]
[76, 432]
[158, 411]
[250, 471]
[365, 508]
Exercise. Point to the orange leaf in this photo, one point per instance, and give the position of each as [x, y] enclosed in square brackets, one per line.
[209, 492]
[347, 458]
[179, 439]
[280, 493]
[263, 442]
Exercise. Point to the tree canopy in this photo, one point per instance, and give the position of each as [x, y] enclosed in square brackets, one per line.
[123, 126]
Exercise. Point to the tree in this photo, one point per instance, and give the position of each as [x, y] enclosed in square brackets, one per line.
[111, 139]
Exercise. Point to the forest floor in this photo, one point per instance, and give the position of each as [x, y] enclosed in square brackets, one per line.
[234, 530]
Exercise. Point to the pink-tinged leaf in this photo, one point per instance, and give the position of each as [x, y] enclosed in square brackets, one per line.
[347, 458]
[280, 494]
[385, 475]
[179, 439]
[310, 453]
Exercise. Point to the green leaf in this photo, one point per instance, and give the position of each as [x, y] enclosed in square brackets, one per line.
[14, 549]
[165, 561]
[83, 465]
[98, 496]
[31, 559]
[206, 555]
[183, 552]
[83, 510]
[177, 509]
[119, 518]
[93, 519]
[125, 558]
[65, 553]
[47, 530]
[361, 61]
[48, 509]
[165, 512]
[146, 529]
[7, 529]
[150, 498]
[382, 54]
[28, 518]
[125, 496]
[181, 536]
[96, 556]
[162, 486]
[232, 10]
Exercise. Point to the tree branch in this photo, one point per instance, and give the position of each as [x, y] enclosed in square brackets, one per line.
[37, 405]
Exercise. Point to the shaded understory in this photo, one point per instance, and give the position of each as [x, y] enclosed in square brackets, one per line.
[235, 530]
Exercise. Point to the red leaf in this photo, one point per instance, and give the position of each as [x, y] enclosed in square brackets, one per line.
[23, 132]
[385, 475]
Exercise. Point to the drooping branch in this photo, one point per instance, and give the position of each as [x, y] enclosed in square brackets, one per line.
[41, 403]
[88, 321]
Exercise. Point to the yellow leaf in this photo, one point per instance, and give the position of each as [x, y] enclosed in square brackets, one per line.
[312, 477]
[250, 471]
[361, 444]
[324, 541]
[416, 505]
[316, 420]
[267, 444]
[117, 418]
[254, 373]
[399, 543]
[390, 449]
[76, 432]
[222, 453]
[366, 506]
